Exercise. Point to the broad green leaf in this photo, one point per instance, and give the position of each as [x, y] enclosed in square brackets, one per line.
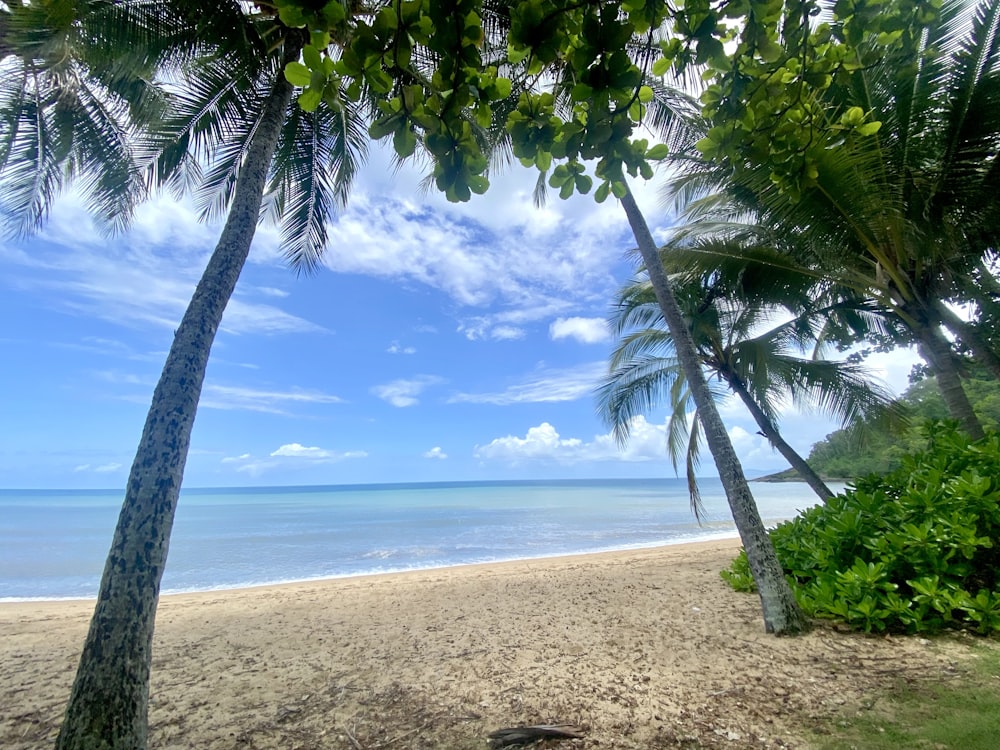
[869, 128]
[658, 152]
[404, 141]
[478, 184]
[291, 16]
[310, 99]
[661, 66]
[297, 74]
[312, 57]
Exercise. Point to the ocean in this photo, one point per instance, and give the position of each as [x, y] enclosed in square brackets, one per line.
[53, 542]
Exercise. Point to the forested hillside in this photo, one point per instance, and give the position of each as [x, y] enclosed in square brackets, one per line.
[846, 454]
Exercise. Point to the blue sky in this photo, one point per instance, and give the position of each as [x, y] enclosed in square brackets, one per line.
[438, 343]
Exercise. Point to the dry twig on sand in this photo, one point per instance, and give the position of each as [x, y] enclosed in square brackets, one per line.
[526, 735]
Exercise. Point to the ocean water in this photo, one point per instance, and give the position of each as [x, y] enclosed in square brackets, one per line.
[53, 543]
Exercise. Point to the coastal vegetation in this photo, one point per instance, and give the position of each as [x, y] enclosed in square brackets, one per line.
[854, 144]
[870, 448]
[913, 551]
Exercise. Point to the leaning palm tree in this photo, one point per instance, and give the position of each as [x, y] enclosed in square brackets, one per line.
[232, 127]
[905, 216]
[235, 129]
[763, 362]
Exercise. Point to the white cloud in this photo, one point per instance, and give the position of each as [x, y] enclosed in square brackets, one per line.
[137, 287]
[584, 330]
[754, 449]
[436, 452]
[507, 333]
[247, 464]
[475, 259]
[494, 325]
[297, 450]
[545, 386]
[396, 348]
[543, 443]
[290, 455]
[402, 393]
[141, 279]
[242, 317]
[313, 453]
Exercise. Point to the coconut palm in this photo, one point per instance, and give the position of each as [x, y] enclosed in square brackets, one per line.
[904, 217]
[741, 346]
[232, 129]
[670, 113]
[75, 90]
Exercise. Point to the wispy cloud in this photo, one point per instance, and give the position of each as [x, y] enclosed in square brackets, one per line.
[396, 348]
[222, 396]
[270, 291]
[145, 279]
[545, 386]
[216, 396]
[314, 453]
[289, 456]
[436, 452]
[404, 392]
[108, 468]
[500, 325]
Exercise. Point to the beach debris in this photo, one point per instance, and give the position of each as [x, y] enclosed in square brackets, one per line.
[511, 736]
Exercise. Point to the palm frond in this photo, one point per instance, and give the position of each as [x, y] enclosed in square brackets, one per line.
[314, 168]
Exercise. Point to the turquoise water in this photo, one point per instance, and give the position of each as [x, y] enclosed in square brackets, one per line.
[53, 543]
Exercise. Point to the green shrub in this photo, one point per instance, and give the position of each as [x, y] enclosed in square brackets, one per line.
[916, 550]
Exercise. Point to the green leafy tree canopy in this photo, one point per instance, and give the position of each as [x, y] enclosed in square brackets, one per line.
[767, 62]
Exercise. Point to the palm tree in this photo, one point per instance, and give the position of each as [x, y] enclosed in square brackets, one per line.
[740, 346]
[781, 612]
[669, 113]
[233, 113]
[905, 217]
[74, 93]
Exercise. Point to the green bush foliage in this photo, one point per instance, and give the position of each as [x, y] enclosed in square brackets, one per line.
[914, 551]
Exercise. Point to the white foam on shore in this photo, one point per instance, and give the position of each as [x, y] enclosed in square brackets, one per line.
[378, 571]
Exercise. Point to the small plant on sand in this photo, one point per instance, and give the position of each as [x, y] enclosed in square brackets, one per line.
[917, 550]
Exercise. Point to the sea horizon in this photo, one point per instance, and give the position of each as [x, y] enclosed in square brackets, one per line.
[240, 537]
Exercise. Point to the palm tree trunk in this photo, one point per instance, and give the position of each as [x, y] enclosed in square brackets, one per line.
[936, 349]
[109, 701]
[774, 437]
[782, 615]
[968, 335]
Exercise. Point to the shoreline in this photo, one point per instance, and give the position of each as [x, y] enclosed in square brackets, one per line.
[482, 566]
[720, 537]
[641, 648]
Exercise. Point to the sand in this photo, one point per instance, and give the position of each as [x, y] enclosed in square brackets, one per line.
[642, 649]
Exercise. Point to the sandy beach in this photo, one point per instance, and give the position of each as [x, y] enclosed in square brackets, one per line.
[641, 649]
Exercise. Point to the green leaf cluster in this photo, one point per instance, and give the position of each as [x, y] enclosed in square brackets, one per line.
[769, 63]
[917, 550]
